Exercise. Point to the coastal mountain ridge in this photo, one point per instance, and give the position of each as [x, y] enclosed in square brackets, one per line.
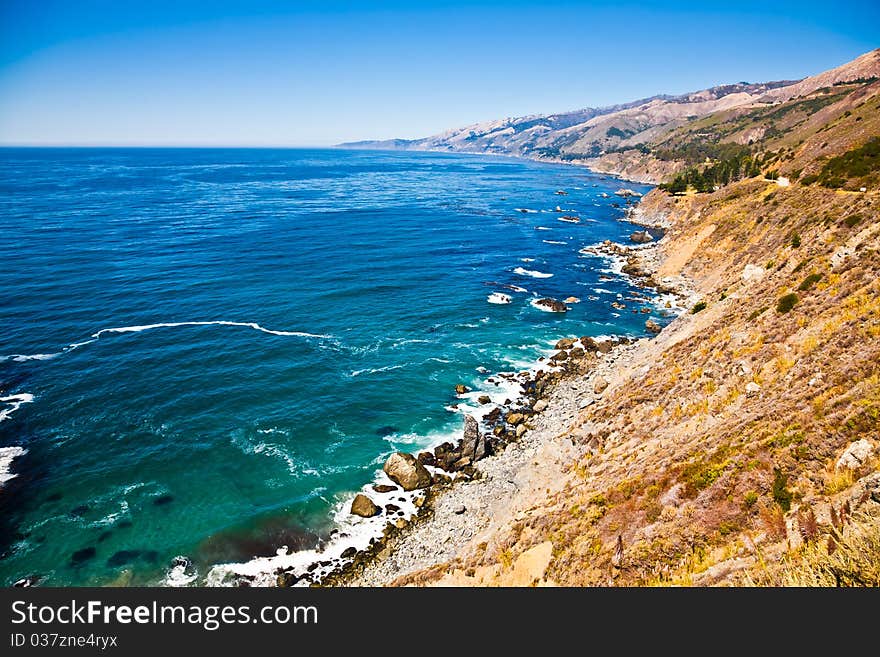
[740, 445]
[620, 139]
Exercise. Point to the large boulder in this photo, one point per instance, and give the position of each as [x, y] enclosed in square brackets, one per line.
[403, 469]
[565, 343]
[641, 237]
[652, 327]
[855, 455]
[540, 405]
[599, 385]
[473, 443]
[363, 506]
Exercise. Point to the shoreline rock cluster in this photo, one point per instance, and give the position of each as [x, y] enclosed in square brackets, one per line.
[459, 479]
[498, 441]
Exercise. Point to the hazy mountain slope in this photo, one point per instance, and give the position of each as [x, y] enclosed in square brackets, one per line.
[624, 139]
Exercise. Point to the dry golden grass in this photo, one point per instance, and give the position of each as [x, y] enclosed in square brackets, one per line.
[854, 560]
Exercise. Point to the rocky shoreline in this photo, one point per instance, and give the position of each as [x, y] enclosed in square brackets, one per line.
[519, 454]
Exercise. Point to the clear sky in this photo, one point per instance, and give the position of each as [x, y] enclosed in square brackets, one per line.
[234, 72]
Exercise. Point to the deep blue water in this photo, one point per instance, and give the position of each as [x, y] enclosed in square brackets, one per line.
[221, 441]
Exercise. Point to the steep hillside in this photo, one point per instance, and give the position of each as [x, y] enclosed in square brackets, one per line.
[742, 444]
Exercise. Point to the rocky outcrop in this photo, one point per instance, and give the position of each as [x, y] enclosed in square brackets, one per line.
[855, 455]
[641, 237]
[473, 444]
[652, 327]
[553, 305]
[405, 470]
[363, 506]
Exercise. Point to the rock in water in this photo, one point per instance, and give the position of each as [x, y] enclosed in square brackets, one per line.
[363, 506]
[564, 343]
[461, 389]
[484, 399]
[652, 327]
[403, 469]
[641, 237]
[553, 305]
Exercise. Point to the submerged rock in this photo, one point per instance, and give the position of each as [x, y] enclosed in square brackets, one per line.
[81, 556]
[404, 470]
[384, 488]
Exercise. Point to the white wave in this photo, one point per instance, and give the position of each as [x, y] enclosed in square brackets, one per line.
[7, 455]
[270, 449]
[146, 327]
[602, 290]
[542, 228]
[376, 370]
[526, 259]
[181, 573]
[531, 272]
[517, 288]
[499, 298]
[554, 242]
[21, 358]
[252, 325]
[15, 402]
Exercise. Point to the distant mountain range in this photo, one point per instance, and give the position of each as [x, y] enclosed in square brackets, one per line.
[623, 138]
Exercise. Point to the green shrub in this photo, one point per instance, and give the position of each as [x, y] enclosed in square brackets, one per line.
[852, 220]
[786, 303]
[780, 493]
[809, 282]
[757, 313]
[795, 241]
[700, 305]
[750, 499]
[809, 180]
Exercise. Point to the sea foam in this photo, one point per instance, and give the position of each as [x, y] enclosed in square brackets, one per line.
[531, 272]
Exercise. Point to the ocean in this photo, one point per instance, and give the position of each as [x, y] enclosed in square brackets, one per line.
[204, 353]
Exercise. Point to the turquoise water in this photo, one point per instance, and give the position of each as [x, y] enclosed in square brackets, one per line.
[289, 317]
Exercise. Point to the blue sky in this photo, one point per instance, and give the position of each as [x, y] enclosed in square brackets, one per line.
[313, 73]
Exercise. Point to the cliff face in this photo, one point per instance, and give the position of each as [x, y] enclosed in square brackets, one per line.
[741, 444]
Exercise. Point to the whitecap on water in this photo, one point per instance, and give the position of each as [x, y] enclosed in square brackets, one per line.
[531, 272]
